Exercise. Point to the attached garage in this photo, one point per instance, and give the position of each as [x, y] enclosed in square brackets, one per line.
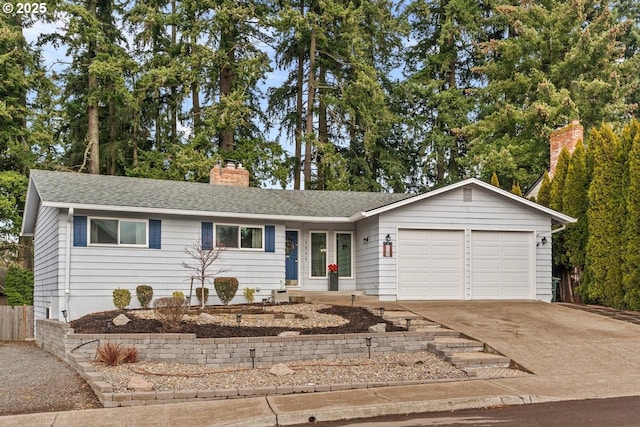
[431, 265]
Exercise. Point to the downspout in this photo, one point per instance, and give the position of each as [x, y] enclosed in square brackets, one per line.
[562, 227]
[67, 261]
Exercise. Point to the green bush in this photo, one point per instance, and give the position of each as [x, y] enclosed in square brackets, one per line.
[121, 298]
[249, 294]
[199, 294]
[179, 295]
[145, 295]
[226, 288]
[19, 286]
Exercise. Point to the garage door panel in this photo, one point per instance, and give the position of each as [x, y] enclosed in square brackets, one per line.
[430, 264]
[501, 265]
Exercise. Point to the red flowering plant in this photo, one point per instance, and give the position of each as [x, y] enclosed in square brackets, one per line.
[333, 268]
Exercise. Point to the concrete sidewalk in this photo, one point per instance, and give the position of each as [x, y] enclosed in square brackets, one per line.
[573, 354]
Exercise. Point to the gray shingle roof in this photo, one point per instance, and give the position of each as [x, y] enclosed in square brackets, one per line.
[66, 188]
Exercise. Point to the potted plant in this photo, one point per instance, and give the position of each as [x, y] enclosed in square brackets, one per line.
[333, 277]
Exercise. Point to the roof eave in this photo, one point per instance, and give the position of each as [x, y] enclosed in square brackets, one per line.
[185, 212]
[556, 216]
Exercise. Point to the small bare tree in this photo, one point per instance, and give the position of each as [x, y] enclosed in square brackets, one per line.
[203, 260]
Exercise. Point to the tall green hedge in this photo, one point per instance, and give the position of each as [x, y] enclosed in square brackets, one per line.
[631, 238]
[19, 286]
[606, 217]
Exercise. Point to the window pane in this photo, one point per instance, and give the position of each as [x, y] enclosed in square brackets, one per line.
[318, 254]
[251, 238]
[104, 231]
[343, 250]
[133, 233]
[227, 236]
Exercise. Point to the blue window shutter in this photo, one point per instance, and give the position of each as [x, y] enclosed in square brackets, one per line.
[155, 234]
[79, 230]
[207, 235]
[269, 238]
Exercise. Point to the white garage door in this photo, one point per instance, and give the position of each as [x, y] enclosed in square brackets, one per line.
[430, 264]
[501, 265]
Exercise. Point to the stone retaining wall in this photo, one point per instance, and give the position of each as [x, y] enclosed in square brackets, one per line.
[79, 349]
[59, 339]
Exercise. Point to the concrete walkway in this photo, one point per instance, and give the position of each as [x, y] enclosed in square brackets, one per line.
[573, 354]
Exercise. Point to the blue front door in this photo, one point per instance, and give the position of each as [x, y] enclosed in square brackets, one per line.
[291, 258]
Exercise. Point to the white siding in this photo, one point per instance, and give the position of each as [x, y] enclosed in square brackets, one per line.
[486, 211]
[367, 256]
[48, 256]
[97, 270]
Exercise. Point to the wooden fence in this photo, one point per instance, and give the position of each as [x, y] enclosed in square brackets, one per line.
[16, 323]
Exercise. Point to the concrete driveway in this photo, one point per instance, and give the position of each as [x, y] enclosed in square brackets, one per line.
[574, 354]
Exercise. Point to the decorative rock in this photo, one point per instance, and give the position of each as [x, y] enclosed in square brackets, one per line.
[281, 369]
[289, 334]
[121, 320]
[380, 327]
[139, 384]
[207, 318]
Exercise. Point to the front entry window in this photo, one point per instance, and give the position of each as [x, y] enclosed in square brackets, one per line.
[343, 254]
[318, 254]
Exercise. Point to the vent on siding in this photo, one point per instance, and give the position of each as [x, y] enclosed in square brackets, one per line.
[466, 195]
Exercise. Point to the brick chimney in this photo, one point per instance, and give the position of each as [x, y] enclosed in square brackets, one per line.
[566, 137]
[231, 175]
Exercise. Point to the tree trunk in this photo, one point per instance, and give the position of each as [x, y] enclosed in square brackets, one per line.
[323, 125]
[93, 126]
[310, 102]
[297, 161]
[228, 38]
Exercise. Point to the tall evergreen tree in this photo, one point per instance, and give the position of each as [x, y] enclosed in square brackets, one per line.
[441, 77]
[605, 215]
[557, 60]
[631, 239]
[574, 203]
[544, 194]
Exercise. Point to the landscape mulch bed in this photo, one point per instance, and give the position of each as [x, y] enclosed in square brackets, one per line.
[98, 323]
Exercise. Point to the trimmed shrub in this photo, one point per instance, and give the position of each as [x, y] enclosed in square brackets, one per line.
[199, 294]
[170, 311]
[19, 286]
[226, 288]
[248, 294]
[121, 298]
[145, 295]
[178, 294]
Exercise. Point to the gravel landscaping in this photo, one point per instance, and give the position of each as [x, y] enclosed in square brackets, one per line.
[418, 366]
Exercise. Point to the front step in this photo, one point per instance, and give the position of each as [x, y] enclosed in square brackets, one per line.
[479, 360]
[467, 354]
[448, 346]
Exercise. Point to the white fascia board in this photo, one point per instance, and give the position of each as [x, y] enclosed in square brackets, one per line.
[183, 212]
[557, 216]
[31, 206]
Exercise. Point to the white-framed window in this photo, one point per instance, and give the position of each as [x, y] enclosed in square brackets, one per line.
[344, 253]
[118, 232]
[318, 253]
[232, 236]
